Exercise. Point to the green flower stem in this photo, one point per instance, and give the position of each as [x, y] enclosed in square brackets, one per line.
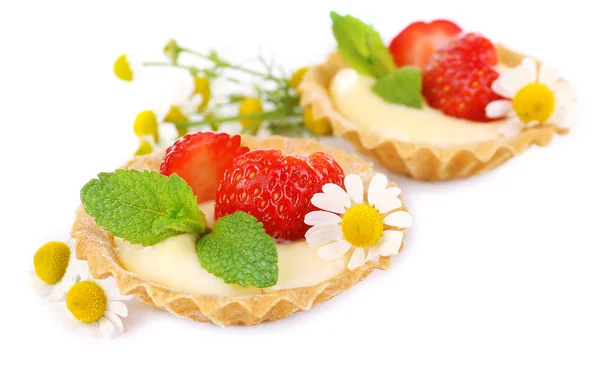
[222, 63]
[192, 69]
[261, 116]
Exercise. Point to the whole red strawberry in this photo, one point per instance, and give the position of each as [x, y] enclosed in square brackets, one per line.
[417, 42]
[458, 78]
[276, 188]
[200, 159]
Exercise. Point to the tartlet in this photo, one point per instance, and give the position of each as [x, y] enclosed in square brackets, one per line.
[418, 160]
[97, 246]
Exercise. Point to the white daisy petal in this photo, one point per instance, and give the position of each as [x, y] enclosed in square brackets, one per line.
[357, 259]
[394, 191]
[506, 84]
[385, 204]
[373, 252]
[105, 328]
[114, 320]
[334, 250]
[328, 202]
[511, 127]
[527, 72]
[390, 242]
[498, 108]
[89, 329]
[354, 187]
[337, 192]
[400, 219]
[376, 187]
[548, 75]
[118, 308]
[321, 217]
[321, 234]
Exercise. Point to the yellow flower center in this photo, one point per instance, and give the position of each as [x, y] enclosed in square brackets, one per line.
[50, 262]
[297, 77]
[250, 106]
[122, 69]
[144, 148]
[320, 127]
[87, 301]
[362, 225]
[176, 116]
[534, 101]
[202, 88]
[146, 124]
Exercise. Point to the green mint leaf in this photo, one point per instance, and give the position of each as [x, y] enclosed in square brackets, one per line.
[188, 225]
[401, 87]
[361, 46]
[381, 56]
[142, 207]
[334, 16]
[239, 251]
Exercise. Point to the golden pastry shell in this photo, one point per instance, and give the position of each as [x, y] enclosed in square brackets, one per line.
[419, 161]
[96, 246]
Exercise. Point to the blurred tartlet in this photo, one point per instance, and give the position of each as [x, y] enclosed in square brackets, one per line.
[441, 104]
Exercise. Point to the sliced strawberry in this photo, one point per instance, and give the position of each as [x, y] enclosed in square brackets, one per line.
[200, 159]
[417, 42]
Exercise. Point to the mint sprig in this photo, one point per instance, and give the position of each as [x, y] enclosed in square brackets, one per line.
[401, 87]
[142, 207]
[239, 251]
[361, 46]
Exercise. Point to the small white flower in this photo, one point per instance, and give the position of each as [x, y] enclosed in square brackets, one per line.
[536, 96]
[74, 267]
[94, 306]
[347, 222]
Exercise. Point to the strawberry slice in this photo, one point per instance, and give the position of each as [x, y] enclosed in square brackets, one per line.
[417, 42]
[200, 159]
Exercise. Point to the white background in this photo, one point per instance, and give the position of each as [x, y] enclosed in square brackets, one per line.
[499, 269]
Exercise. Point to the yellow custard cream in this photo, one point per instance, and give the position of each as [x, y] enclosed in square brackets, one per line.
[353, 98]
[174, 263]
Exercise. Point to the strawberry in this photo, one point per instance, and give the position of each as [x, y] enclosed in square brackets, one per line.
[276, 189]
[458, 78]
[417, 42]
[200, 159]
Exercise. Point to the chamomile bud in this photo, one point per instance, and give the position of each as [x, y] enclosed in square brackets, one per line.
[250, 106]
[176, 116]
[297, 77]
[202, 88]
[320, 127]
[144, 148]
[122, 68]
[146, 124]
[172, 51]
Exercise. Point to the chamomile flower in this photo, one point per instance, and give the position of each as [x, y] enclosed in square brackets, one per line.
[347, 222]
[536, 96]
[94, 307]
[55, 269]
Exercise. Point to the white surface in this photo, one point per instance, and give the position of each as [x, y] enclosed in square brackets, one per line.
[498, 269]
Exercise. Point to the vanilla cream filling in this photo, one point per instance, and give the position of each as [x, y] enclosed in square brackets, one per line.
[174, 263]
[353, 98]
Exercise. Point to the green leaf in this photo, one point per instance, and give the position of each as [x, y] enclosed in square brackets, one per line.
[142, 207]
[401, 87]
[382, 58]
[361, 46]
[239, 251]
